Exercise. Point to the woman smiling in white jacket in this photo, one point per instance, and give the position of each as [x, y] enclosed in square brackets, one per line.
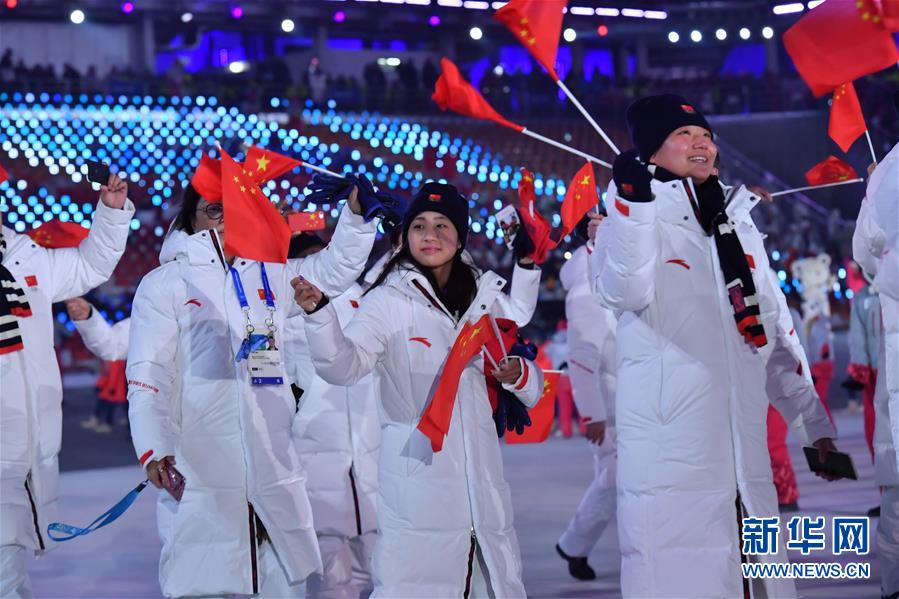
[445, 517]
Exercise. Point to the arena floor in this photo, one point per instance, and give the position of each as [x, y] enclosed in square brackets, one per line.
[547, 481]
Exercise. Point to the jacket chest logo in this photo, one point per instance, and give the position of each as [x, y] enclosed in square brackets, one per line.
[423, 340]
[31, 280]
[193, 302]
[679, 262]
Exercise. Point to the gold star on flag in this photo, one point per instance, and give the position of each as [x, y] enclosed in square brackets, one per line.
[262, 163]
[236, 180]
[585, 180]
[243, 189]
[528, 178]
[524, 33]
[532, 41]
[523, 21]
[253, 190]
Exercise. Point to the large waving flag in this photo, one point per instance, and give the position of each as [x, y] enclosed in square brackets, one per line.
[580, 197]
[207, 179]
[537, 24]
[453, 92]
[847, 123]
[830, 170]
[264, 165]
[254, 229]
[840, 41]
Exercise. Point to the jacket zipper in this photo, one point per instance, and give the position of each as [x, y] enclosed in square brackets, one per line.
[213, 235]
[37, 528]
[355, 502]
[253, 566]
[474, 538]
[471, 554]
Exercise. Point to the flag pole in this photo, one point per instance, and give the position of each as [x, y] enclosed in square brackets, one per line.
[587, 116]
[808, 187]
[562, 146]
[320, 169]
[870, 146]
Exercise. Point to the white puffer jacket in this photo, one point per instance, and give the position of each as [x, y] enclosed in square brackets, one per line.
[232, 441]
[432, 508]
[30, 401]
[691, 402]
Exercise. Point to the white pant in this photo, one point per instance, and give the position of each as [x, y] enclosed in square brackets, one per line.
[888, 541]
[347, 567]
[598, 505]
[14, 581]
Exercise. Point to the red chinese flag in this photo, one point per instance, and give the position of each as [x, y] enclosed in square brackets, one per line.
[435, 420]
[3, 174]
[537, 25]
[59, 234]
[254, 229]
[541, 414]
[452, 92]
[890, 14]
[580, 197]
[830, 170]
[531, 219]
[306, 221]
[264, 165]
[839, 41]
[846, 120]
[207, 179]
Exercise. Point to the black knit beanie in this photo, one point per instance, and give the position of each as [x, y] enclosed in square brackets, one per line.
[651, 119]
[443, 198]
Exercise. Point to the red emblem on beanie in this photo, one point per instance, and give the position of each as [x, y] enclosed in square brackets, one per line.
[434, 197]
[687, 108]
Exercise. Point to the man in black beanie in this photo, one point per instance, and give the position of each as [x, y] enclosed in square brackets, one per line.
[703, 343]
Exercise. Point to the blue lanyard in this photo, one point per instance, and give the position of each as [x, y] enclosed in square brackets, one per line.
[242, 295]
[69, 532]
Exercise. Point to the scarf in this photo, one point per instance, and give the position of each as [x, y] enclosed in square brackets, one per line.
[13, 305]
[708, 206]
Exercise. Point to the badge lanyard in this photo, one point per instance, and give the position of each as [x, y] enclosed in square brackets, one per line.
[253, 342]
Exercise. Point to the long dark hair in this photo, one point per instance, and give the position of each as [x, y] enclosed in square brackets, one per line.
[460, 288]
[187, 214]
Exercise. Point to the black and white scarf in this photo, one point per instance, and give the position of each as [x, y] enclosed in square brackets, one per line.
[738, 281]
[13, 305]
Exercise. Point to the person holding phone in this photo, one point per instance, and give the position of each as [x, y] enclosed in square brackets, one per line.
[211, 408]
[33, 278]
[700, 317]
[444, 516]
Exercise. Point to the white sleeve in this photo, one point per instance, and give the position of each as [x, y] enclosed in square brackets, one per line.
[789, 383]
[78, 270]
[868, 239]
[107, 342]
[529, 386]
[152, 368]
[521, 302]
[337, 266]
[345, 356]
[623, 264]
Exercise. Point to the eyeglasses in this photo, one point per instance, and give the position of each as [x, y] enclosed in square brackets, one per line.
[213, 211]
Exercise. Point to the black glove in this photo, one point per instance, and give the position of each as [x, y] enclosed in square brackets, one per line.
[522, 245]
[393, 208]
[632, 177]
[511, 414]
[852, 384]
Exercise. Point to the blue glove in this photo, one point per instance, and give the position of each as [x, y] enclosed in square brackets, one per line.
[632, 177]
[327, 188]
[511, 414]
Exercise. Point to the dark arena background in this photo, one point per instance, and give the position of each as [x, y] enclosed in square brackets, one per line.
[150, 86]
